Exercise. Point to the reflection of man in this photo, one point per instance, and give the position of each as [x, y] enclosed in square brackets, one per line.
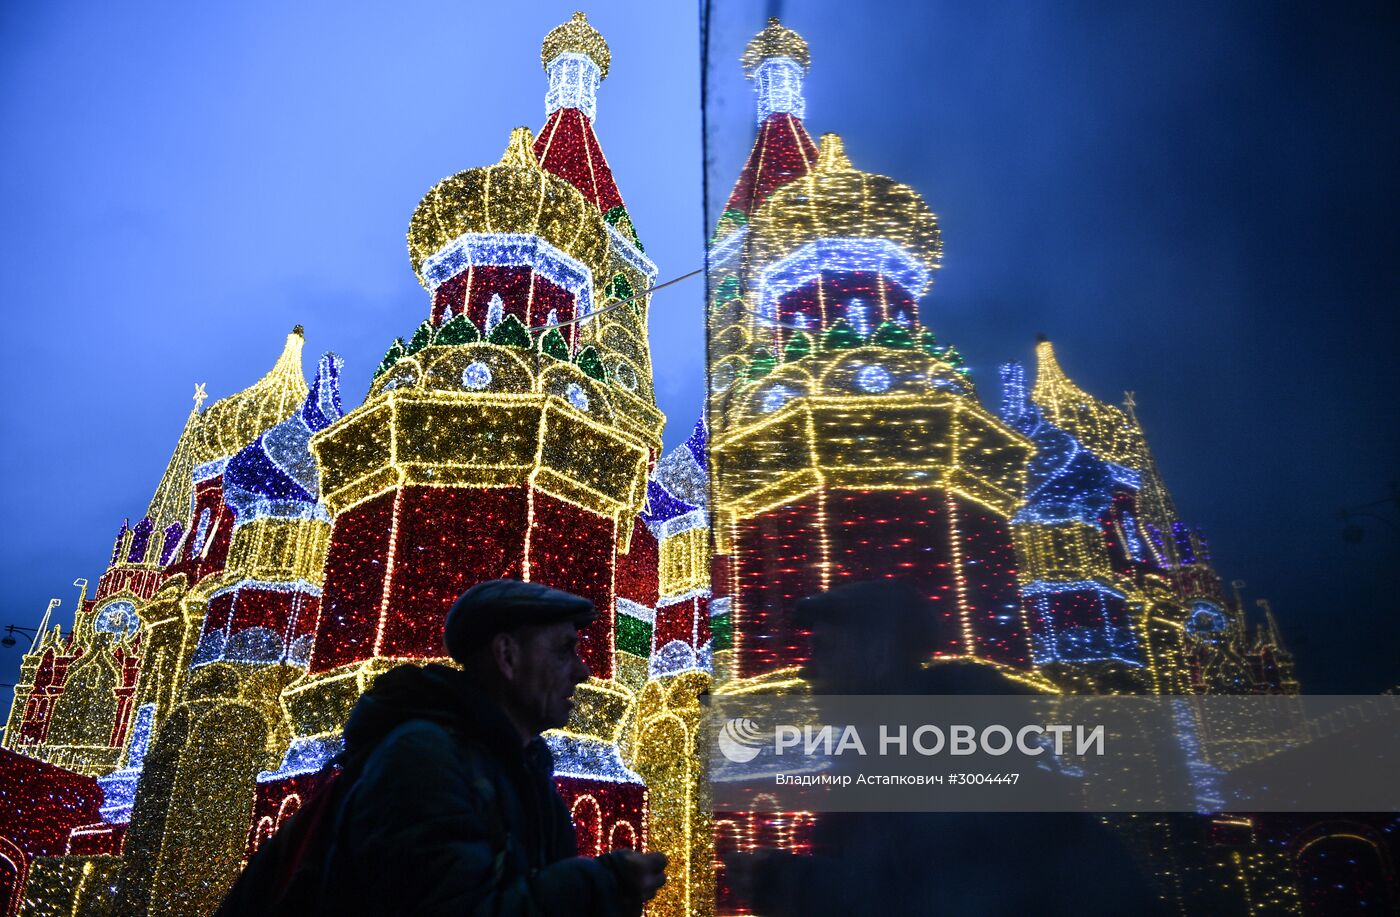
[871, 638]
[451, 806]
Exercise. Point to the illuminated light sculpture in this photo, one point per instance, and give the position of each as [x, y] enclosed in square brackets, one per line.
[259, 615]
[74, 700]
[678, 519]
[779, 82]
[231, 423]
[119, 787]
[145, 618]
[576, 58]
[126, 612]
[667, 643]
[830, 256]
[1101, 514]
[860, 454]
[840, 243]
[1086, 526]
[866, 457]
[43, 804]
[573, 83]
[776, 59]
[226, 427]
[512, 432]
[575, 38]
[459, 439]
[567, 147]
[775, 42]
[1101, 428]
[506, 240]
[782, 152]
[520, 454]
[1117, 543]
[614, 348]
[1077, 609]
[280, 533]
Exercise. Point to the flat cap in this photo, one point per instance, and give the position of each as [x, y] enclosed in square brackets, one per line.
[500, 605]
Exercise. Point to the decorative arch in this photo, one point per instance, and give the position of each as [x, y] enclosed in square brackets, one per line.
[14, 868]
[623, 836]
[288, 808]
[263, 831]
[728, 839]
[1341, 862]
[588, 822]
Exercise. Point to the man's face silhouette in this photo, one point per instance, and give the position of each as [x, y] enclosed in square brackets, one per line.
[541, 667]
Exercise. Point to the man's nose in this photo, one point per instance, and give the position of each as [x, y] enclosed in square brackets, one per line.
[581, 670]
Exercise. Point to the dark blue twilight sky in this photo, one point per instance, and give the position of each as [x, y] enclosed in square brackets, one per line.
[1196, 201]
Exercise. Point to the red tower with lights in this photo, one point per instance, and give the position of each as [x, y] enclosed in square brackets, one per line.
[850, 444]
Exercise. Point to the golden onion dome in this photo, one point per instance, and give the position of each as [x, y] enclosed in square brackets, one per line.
[233, 422]
[776, 40]
[576, 37]
[513, 196]
[837, 201]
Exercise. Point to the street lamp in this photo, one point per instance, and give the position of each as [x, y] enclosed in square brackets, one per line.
[1352, 530]
[9, 640]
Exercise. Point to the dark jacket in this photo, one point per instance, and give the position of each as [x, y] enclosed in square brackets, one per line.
[440, 810]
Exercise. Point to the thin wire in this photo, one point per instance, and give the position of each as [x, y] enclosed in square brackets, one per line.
[619, 303]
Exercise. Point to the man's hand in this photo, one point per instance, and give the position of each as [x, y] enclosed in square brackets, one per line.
[641, 874]
[744, 871]
[741, 872]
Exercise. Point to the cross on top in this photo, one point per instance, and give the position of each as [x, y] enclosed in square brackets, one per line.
[200, 395]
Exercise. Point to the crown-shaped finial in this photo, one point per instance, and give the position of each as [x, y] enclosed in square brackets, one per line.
[776, 40]
[576, 37]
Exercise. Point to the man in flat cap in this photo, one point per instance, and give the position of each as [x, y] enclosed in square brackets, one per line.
[446, 802]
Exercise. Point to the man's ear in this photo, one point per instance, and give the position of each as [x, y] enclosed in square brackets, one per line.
[505, 653]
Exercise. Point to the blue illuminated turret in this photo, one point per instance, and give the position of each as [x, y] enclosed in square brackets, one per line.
[276, 475]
